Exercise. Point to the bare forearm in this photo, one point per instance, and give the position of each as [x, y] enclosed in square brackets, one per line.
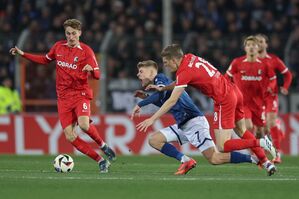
[164, 109]
[168, 87]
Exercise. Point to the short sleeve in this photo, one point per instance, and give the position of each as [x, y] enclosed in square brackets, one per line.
[182, 79]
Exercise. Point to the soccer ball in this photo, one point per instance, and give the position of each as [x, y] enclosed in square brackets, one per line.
[63, 163]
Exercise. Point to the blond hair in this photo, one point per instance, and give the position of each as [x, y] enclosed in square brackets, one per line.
[250, 38]
[147, 63]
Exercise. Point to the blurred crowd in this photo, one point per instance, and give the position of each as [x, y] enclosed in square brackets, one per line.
[213, 29]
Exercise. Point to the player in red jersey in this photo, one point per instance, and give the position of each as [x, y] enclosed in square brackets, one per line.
[277, 66]
[74, 62]
[252, 76]
[228, 103]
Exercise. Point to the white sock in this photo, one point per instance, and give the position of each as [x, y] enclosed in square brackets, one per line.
[185, 159]
[102, 159]
[265, 163]
[254, 159]
[103, 145]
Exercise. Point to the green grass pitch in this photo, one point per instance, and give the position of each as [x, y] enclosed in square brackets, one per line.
[144, 177]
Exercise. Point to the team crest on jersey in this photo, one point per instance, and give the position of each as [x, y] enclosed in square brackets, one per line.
[76, 59]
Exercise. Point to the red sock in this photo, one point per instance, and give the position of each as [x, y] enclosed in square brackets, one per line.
[93, 133]
[85, 148]
[239, 144]
[276, 137]
[258, 151]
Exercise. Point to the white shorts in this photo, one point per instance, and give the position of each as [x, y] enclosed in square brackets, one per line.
[196, 131]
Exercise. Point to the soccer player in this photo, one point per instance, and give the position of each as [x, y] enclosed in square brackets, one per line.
[228, 102]
[75, 61]
[277, 66]
[255, 80]
[191, 125]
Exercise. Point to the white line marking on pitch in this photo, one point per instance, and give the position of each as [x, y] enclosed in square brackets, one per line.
[150, 179]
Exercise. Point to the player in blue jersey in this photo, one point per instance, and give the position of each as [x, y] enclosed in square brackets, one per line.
[191, 125]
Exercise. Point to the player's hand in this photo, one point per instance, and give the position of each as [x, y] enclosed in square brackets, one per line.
[142, 126]
[15, 51]
[153, 87]
[136, 110]
[284, 91]
[141, 94]
[87, 68]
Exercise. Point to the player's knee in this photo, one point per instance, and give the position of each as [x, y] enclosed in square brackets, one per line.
[214, 160]
[271, 123]
[249, 125]
[84, 126]
[155, 141]
[70, 136]
[220, 147]
[240, 130]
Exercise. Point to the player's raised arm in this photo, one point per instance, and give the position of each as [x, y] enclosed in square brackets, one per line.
[16, 51]
[40, 59]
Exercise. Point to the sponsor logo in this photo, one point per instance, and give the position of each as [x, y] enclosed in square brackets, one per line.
[67, 65]
[251, 78]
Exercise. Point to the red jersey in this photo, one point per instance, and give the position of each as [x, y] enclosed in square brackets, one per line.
[199, 73]
[276, 65]
[252, 78]
[70, 79]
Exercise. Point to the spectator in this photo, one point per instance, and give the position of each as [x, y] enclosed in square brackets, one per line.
[212, 29]
[9, 98]
[292, 54]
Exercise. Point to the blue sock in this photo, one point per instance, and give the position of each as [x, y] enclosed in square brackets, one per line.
[236, 157]
[171, 151]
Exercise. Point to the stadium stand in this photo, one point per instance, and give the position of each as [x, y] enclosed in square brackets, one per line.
[211, 29]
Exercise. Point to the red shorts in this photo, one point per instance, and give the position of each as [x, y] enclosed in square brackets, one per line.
[70, 110]
[256, 114]
[229, 110]
[271, 103]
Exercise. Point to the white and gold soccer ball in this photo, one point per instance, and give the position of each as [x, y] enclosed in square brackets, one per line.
[63, 163]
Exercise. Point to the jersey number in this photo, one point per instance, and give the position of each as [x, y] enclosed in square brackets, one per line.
[197, 133]
[211, 70]
[85, 106]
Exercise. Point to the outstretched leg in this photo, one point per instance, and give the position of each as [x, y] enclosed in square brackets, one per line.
[159, 141]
